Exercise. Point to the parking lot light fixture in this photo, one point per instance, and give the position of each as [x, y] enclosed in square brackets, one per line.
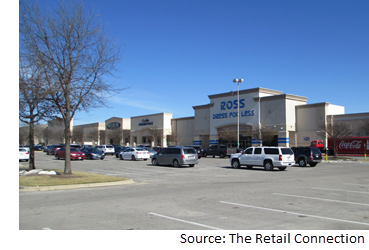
[238, 81]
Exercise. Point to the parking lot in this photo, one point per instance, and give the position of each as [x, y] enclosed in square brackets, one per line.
[211, 195]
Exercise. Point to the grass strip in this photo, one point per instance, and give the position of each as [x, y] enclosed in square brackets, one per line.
[56, 180]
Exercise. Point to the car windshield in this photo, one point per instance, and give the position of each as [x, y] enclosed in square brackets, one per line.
[94, 150]
[74, 150]
[140, 149]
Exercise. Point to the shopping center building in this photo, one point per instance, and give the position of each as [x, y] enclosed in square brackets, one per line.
[266, 116]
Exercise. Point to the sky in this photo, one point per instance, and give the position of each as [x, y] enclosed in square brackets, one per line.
[177, 52]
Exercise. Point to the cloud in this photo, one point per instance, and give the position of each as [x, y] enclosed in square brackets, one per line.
[137, 102]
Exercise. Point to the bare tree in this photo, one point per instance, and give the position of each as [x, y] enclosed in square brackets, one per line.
[263, 134]
[336, 131]
[23, 135]
[33, 105]
[116, 135]
[77, 135]
[174, 138]
[46, 135]
[156, 134]
[75, 54]
[227, 135]
[364, 127]
[93, 134]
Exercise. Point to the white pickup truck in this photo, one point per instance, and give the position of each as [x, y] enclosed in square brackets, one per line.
[267, 157]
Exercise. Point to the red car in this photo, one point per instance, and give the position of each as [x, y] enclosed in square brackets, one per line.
[75, 154]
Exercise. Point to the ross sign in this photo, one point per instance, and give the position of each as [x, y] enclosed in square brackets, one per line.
[228, 109]
[113, 125]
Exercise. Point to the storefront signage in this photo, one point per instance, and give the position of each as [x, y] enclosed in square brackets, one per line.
[113, 125]
[230, 105]
[145, 122]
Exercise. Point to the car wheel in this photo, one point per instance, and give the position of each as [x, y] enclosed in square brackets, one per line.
[313, 164]
[282, 168]
[121, 157]
[176, 164]
[268, 166]
[155, 162]
[235, 163]
[133, 158]
[302, 162]
[204, 155]
[221, 155]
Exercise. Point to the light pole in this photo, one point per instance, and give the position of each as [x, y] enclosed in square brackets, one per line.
[238, 110]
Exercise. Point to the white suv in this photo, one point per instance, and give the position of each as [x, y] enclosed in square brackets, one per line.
[267, 157]
[107, 149]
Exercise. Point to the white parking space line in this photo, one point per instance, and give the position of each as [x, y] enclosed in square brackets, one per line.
[321, 199]
[186, 221]
[299, 214]
[355, 184]
[341, 190]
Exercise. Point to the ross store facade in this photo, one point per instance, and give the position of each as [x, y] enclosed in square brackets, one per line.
[266, 117]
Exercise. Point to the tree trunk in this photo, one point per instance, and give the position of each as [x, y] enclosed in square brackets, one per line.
[67, 136]
[31, 142]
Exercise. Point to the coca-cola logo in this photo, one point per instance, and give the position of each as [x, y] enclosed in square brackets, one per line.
[350, 145]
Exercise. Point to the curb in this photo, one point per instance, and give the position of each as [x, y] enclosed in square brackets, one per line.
[75, 186]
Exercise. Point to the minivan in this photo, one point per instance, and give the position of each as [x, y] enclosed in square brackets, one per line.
[176, 156]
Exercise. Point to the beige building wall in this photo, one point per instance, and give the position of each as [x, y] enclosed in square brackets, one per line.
[184, 129]
[151, 129]
[89, 134]
[309, 118]
[117, 131]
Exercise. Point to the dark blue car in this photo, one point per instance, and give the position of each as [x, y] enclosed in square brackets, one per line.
[93, 153]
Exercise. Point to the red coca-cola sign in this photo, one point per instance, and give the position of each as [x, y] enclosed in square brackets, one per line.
[351, 145]
[355, 144]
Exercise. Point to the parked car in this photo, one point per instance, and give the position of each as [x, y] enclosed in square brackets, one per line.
[134, 154]
[267, 157]
[93, 153]
[107, 149]
[176, 156]
[117, 153]
[57, 147]
[75, 154]
[307, 155]
[157, 149]
[152, 152]
[50, 149]
[216, 150]
[23, 154]
[39, 147]
[199, 150]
